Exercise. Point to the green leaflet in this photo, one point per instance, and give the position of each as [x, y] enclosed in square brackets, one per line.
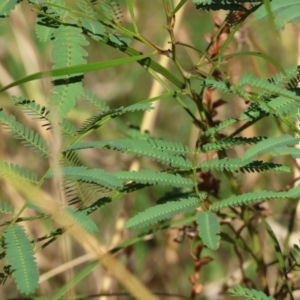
[96, 121]
[82, 219]
[95, 29]
[260, 166]
[85, 7]
[153, 177]
[230, 143]
[269, 145]
[209, 229]
[163, 151]
[232, 5]
[64, 97]
[20, 255]
[95, 100]
[28, 136]
[67, 51]
[6, 208]
[266, 86]
[285, 12]
[31, 108]
[164, 211]
[219, 127]
[254, 197]
[6, 6]
[16, 172]
[232, 165]
[67, 47]
[293, 151]
[96, 176]
[250, 294]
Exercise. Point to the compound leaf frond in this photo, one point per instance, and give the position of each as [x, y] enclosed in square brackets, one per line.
[96, 176]
[150, 177]
[20, 255]
[161, 212]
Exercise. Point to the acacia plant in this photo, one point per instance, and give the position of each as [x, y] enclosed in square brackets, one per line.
[203, 184]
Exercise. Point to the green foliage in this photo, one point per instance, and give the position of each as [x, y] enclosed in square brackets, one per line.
[254, 197]
[209, 229]
[284, 12]
[152, 177]
[28, 136]
[6, 208]
[20, 256]
[198, 174]
[164, 211]
[223, 4]
[6, 6]
[250, 294]
[158, 150]
[15, 172]
[96, 176]
[82, 219]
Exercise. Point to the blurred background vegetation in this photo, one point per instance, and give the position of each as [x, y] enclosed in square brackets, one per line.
[164, 262]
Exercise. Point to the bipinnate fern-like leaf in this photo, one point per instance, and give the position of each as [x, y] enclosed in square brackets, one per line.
[230, 143]
[285, 12]
[270, 144]
[6, 208]
[95, 100]
[209, 229]
[15, 172]
[232, 5]
[82, 219]
[293, 151]
[6, 6]
[64, 98]
[86, 7]
[158, 150]
[28, 136]
[231, 165]
[20, 255]
[253, 198]
[266, 86]
[283, 78]
[112, 10]
[31, 108]
[212, 131]
[94, 29]
[96, 176]
[150, 177]
[250, 294]
[260, 166]
[68, 43]
[97, 120]
[164, 211]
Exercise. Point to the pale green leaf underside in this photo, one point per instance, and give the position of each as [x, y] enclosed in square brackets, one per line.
[209, 229]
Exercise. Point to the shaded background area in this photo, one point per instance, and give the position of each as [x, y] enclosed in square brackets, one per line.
[164, 262]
